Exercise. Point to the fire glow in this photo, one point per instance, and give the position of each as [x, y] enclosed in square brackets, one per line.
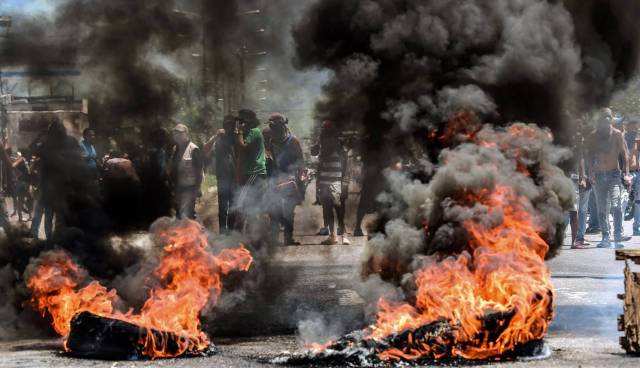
[190, 277]
[505, 274]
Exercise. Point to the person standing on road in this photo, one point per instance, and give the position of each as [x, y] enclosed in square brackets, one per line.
[221, 148]
[583, 190]
[288, 178]
[634, 168]
[331, 174]
[607, 146]
[186, 172]
[253, 174]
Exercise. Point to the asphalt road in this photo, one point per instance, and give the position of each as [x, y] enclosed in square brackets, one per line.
[320, 278]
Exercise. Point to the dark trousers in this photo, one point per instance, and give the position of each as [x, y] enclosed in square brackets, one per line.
[226, 218]
[594, 219]
[39, 211]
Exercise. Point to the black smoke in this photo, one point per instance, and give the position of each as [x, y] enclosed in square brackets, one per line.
[402, 69]
[420, 78]
[133, 57]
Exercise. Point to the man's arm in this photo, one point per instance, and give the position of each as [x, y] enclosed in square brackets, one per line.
[241, 142]
[624, 153]
[198, 166]
[297, 148]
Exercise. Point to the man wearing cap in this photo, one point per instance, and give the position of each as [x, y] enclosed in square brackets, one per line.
[253, 174]
[186, 172]
[608, 164]
[288, 177]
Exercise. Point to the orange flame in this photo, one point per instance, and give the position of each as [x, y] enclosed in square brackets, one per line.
[190, 277]
[505, 272]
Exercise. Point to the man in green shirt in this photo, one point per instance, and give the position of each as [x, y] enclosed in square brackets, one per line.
[250, 143]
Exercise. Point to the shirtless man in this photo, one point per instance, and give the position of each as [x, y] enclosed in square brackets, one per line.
[634, 167]
[607, 153]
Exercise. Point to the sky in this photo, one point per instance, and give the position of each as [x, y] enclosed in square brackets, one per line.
[14, 7]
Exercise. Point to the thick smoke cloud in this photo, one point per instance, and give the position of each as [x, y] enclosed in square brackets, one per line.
[430, 73]
[404, 65]
[131, 56]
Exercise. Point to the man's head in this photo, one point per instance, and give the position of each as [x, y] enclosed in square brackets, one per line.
[278, 124]
[248, 119]
[89, 135]
[267, 133]
[56, 129]
[329, 136]
[605, 120]
[180, 134]
[229, 123]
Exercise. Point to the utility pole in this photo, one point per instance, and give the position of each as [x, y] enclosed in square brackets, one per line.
[5, 24]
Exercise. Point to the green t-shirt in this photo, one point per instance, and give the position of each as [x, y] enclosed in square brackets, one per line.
[255, 163]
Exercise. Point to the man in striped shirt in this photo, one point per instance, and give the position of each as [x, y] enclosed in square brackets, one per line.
[331, 182]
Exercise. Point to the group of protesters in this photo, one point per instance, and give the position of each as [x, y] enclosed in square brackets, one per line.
[606, 178]
[260, 171]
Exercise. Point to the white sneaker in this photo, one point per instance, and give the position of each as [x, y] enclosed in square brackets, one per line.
[345, 241]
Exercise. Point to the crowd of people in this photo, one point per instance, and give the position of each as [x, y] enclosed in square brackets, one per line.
[260, 171]
[607, 179]
[261, 178]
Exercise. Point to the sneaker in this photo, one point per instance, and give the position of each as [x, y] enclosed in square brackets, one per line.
[358, 232]
[617, 245]
[329, 241]
[345, 241]
[323, 231]
[593, 230]
[604, 244]
[624, 239]
[580, 244]
[291, 241]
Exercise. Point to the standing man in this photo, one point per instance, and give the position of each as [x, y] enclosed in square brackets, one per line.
[608, 160]
[88, 150]
[221, 147]
[583, 191]
[634, 167]
[288, 178]
[186, 172]
[253, 173]
[331, 175]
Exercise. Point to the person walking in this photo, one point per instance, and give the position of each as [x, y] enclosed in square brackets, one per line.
[221, 147]
[288, 177]
[331, 175]
[608, 161]
[250, 201]
[186, 172]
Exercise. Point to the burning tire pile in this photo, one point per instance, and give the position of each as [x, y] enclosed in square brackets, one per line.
[167, 325]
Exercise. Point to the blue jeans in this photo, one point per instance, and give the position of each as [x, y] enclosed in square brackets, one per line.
[583, 206]
[636, 201]
[608, 195]
[186, 202]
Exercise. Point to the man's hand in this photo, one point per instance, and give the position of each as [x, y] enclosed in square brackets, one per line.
[582, 184]
[627, 180]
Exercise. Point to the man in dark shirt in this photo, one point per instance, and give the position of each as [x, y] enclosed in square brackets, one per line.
[289, 170]
[221, 147]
